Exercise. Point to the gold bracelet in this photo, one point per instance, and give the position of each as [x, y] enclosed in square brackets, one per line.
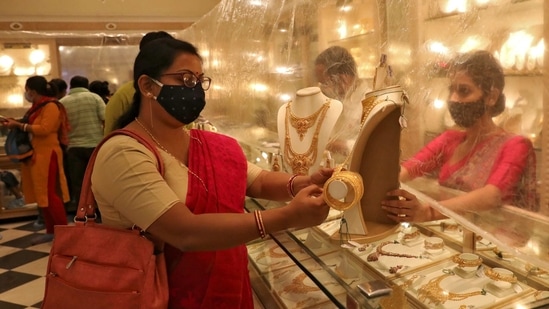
[466, 263]
[490, 273]
[534, 270]
[413, 235]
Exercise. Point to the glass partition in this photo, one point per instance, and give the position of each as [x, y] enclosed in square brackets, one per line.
[260, 53]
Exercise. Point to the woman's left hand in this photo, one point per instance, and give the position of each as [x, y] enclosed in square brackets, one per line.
[321, 176]
[403, 206]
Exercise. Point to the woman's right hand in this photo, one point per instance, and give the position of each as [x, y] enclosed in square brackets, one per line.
[308, 208]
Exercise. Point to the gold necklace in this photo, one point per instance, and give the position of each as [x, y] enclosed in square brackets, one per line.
[303, 124]
[301, 162]
[166, 151]
[437, 295]
[372, 257]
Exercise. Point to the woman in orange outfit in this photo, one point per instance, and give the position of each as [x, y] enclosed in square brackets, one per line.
[43, 177]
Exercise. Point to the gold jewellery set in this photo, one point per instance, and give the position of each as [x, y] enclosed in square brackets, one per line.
[434, 293]
[301, 162]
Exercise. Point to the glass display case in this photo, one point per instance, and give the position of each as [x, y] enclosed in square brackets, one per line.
[260, 53]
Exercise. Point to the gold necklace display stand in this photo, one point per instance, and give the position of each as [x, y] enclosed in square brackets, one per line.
[376, 157]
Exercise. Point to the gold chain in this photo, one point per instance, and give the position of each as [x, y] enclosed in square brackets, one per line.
[166, 151]
[437, 295]
[303, 124]
[372, 257]
[301, 162]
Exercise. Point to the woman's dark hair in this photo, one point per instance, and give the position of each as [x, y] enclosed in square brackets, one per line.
[41, 85]
[153, 60]
[61, 84]
[100, 88]
[485, 71]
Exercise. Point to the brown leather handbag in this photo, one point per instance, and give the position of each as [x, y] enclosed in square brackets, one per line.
[95, 266]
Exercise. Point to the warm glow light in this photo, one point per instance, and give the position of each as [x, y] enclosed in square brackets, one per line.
[5, 62]
[259, 87]
[474, 42]
[15, 100]
[23, 71]
[438, 103]
[346, 8]
[256, 2]
[342, 29]
[36, 56]
[437, 47]
[449, 6]
[284, 70]
[43, 69]
[285, 97]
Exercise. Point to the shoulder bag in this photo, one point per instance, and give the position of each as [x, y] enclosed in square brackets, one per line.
[95, 266]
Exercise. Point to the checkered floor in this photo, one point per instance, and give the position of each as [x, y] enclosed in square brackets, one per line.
[22, 265]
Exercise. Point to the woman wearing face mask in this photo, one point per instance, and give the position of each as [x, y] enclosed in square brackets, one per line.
[196, 207]
[43, 178]
[494, 167]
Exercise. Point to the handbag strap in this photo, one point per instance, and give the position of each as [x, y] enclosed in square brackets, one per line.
[87, 204]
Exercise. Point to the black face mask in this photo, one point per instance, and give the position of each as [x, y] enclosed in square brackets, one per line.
[466, 114]
[182, 103]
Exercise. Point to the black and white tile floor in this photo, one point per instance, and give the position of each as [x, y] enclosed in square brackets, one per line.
[22, 265]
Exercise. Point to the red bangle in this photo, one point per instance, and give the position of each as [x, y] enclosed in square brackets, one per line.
[290, 186]
[259, 223]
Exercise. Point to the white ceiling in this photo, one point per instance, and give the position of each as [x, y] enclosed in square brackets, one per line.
[106, 10]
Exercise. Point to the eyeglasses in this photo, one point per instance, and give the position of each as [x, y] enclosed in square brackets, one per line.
[190, 79]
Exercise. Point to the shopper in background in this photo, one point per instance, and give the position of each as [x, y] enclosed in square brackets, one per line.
[122, 98]
[480, 158]
[196, 207]
[101, 88]
[42, 176]
[61, 87]
[86, 114]
[336, 72]
[12, 185]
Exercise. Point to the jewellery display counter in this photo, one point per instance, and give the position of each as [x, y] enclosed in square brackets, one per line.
[436, 264]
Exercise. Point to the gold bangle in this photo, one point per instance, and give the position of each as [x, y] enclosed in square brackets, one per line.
[466, 263]
[259, 223]
[490, 273]
[534, 270]
[355, 186]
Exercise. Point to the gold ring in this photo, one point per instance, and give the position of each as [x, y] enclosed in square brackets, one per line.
[401, 215]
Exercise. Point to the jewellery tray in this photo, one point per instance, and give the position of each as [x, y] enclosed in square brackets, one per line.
[457, 284]
[409, 264]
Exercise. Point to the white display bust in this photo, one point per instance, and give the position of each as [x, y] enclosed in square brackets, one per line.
[317, 114]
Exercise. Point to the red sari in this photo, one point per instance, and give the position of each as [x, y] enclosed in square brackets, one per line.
[504, 160]
[212, 279]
